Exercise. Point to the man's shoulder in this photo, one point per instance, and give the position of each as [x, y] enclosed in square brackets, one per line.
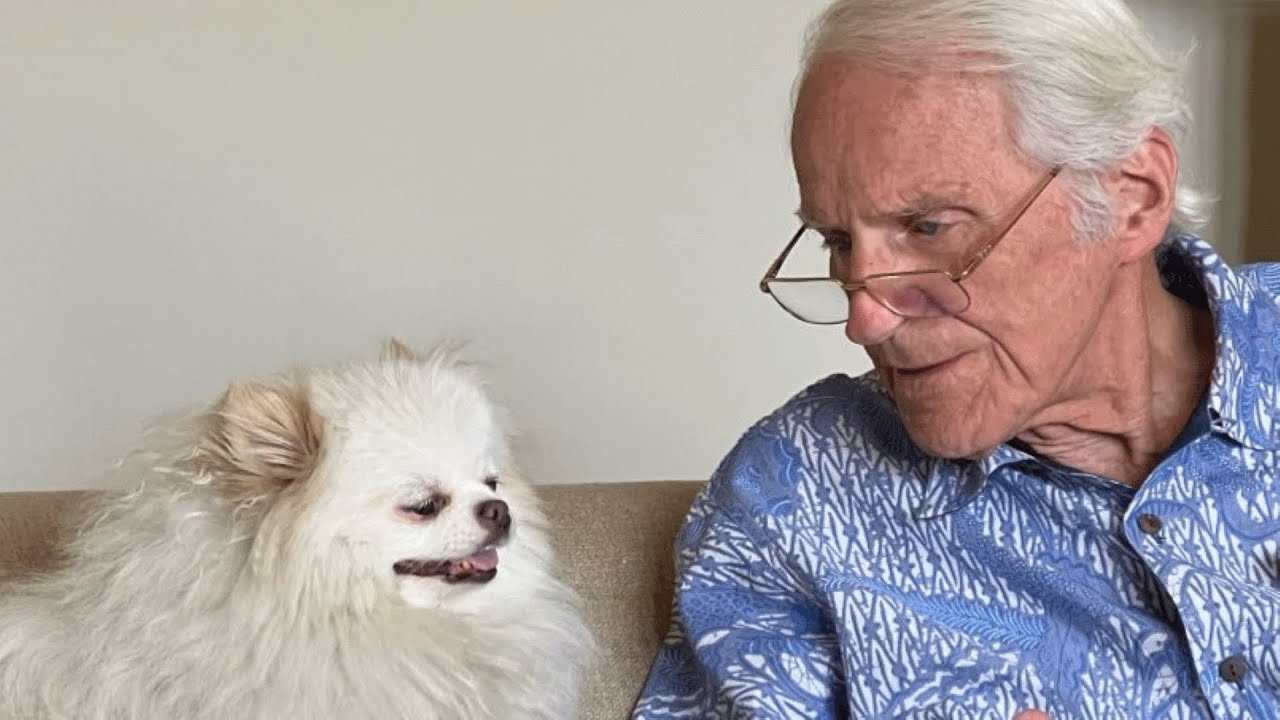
[1263, 275]
[837, 408]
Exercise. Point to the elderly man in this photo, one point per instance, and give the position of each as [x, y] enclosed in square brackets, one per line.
[1056, 493]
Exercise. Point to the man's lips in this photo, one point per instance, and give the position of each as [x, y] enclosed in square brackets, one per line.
[479, 567]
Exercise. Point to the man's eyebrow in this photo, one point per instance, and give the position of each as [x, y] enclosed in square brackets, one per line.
[922, 204]
[809, 220]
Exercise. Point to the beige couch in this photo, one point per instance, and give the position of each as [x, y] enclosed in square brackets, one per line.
[615, 541]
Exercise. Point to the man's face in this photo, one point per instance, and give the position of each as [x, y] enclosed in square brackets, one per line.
[919, 174]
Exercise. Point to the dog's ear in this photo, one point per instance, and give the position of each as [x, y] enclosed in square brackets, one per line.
[393, 349]
[263, 438]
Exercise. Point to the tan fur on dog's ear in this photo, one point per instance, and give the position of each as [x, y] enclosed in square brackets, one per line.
[393, 349]
[263, 439]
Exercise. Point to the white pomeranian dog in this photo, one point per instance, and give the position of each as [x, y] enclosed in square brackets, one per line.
[353, 542]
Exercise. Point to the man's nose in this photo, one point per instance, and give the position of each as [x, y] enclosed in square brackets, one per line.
[870, 322]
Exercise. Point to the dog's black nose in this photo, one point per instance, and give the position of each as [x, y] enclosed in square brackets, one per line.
[494, 516]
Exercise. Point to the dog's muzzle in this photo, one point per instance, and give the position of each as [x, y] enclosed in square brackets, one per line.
[480, 567]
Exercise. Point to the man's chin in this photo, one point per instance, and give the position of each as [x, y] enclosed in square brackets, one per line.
[949, 438]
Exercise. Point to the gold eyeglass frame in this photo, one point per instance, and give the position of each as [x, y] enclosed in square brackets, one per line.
[771, 275]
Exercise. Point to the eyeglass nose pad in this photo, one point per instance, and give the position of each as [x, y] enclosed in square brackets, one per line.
[870, 321]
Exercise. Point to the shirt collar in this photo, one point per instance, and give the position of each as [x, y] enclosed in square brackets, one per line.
[950, 484]
[1243, 390]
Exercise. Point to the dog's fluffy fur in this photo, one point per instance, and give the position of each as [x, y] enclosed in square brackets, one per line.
[256, 570]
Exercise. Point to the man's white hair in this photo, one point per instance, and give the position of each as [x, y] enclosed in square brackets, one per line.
[1085, 82]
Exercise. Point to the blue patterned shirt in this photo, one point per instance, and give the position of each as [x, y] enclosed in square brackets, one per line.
[832, 569]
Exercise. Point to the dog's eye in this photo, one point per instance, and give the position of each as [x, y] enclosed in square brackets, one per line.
[427, 509]
[492, 482]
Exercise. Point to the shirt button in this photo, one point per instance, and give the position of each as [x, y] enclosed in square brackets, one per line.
[1233, 669]
[1150, 524]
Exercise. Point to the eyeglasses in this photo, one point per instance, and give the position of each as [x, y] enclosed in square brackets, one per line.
[910, 294]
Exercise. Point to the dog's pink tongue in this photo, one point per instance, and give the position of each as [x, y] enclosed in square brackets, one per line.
[484, 561]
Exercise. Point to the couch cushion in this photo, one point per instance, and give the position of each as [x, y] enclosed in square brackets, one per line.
[33, 526]
[616, 544]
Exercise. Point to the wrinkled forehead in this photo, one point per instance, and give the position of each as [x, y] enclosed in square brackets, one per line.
[875, 132]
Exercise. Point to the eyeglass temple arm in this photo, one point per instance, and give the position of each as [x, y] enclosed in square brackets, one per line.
[1031, 200]
[772, 272]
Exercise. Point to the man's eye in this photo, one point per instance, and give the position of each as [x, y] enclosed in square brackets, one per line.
[836, 243]
[927, 228]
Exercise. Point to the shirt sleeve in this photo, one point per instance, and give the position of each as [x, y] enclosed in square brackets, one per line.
[748, 639]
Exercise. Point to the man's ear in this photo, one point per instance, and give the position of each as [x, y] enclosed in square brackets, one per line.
[262, 439]
[393, 349]
[1143, 190]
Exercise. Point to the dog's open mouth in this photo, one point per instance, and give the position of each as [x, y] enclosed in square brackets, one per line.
[479, 567]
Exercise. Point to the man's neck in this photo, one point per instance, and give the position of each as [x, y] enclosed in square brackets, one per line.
[1134, 388]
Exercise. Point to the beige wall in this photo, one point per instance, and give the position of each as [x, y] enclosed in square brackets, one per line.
[192, 192]
[196, 192]
[1263, 227]
[1216, 155]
